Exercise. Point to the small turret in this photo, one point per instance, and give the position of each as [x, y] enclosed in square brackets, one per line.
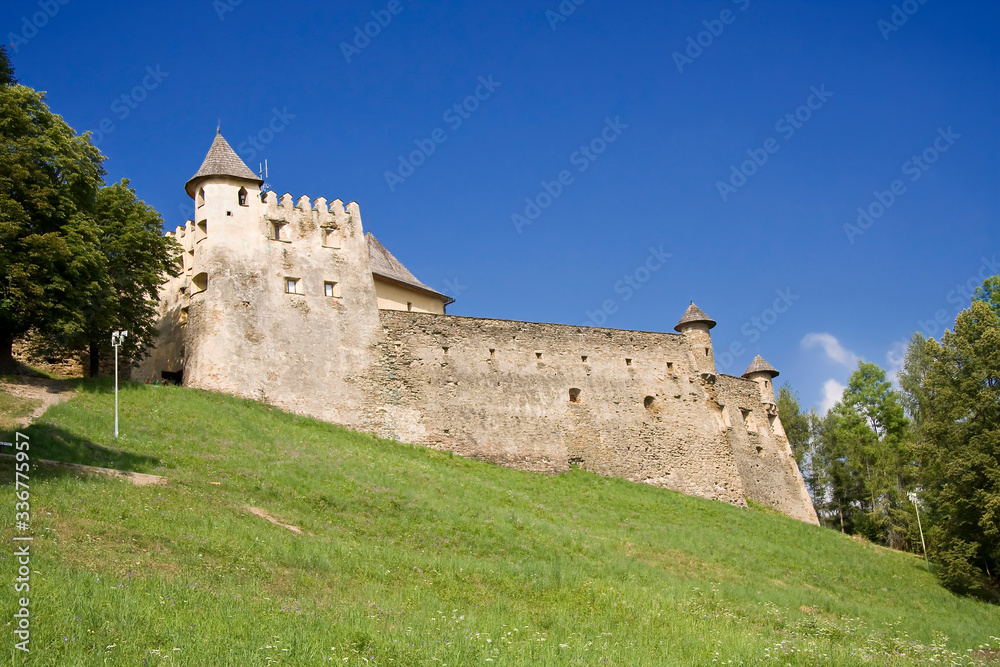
[226, 195]
[763, 374]
[695, 325]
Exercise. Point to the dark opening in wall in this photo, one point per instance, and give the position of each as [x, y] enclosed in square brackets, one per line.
[574, 395]
[242, 196]
[184, 316]
[648, 402]
[276, 231]
[200, 282]
[583, 358]
[493, 353]
[173, 377]
[445, 350]
[538, 355]
[409, 306]
[670, 364]
[706, 351]
[628, 362]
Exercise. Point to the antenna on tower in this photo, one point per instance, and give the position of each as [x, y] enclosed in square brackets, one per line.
[262, 173]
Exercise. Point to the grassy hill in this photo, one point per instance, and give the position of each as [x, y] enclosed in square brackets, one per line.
[412, 556]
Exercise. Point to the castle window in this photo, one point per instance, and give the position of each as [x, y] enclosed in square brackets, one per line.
[574, 395]
[200, 283]
[276, 232]
[330, 237]
[648, 402]
[292, 286]
[493, 353]
[670, 364]
[183, 319]
[242, 197]
[628, 362]
[538, 355]
[200, 199]
[201, 231]
[409, 306]
[706, 351]
[583, 358]
[331, 289]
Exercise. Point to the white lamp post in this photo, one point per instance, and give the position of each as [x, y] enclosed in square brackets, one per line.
[116, 341]
[913, 499]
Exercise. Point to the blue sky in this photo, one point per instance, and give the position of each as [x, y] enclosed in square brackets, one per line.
[737, 137]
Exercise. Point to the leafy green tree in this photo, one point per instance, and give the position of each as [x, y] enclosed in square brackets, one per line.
[795, 423]
[50, 266]
[6, 71]
[865, 455]
[957, 384]
[138, 258]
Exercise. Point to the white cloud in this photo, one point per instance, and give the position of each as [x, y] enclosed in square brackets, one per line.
[894, 360]
[833, 391]
[832, 347]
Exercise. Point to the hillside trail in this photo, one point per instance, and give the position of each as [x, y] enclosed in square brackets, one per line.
[48, 392]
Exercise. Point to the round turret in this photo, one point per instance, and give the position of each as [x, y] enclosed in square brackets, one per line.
[763, 374]
[696, 326]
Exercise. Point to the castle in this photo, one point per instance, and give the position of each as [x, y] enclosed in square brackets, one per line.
[290, 302]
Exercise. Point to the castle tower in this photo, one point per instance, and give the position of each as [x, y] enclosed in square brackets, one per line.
[226, 196]
[695, 325]
[763, 374]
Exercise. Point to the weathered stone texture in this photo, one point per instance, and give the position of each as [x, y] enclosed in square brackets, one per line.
[501, 391]
[644, 406]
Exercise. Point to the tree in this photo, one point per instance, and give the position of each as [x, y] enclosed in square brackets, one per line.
[958, 390]
[795, 423]
[138, 257]
[865, 459]
[49, 262]
[6, 71]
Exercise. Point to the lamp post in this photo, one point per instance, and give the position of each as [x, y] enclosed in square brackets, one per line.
[116, 341]
[913, 499]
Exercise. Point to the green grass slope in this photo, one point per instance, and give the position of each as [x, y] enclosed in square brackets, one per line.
[412, 556]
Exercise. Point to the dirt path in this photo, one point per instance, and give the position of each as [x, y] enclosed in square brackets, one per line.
[49, 392]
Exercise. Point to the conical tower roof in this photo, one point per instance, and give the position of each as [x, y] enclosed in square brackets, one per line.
[694, 314]
[758, 365]
[221, 160]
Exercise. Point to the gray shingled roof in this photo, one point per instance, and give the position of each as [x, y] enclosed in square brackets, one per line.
[758, 365]
[694, 314]
[221, 160]
[385, 265]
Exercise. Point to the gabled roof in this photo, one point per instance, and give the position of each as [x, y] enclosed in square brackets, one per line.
[385, 265]
[221, 160]
[758, 365]
[694, 314]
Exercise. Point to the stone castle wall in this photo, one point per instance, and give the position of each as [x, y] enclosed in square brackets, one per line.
[638, 405]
